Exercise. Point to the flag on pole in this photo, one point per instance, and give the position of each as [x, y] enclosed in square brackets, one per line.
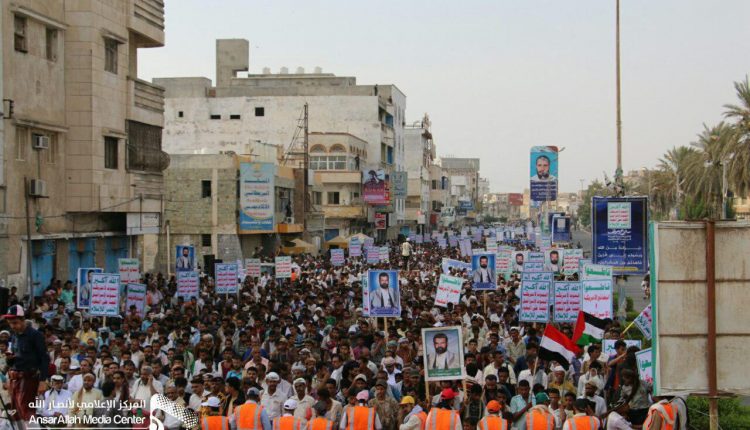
[558, 347]
[588, 329]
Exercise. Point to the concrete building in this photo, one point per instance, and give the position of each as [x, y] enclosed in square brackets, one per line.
[420, 155]
[503, 205]
[463, 174]
[83, 133]
[439, 195]
[238, 112]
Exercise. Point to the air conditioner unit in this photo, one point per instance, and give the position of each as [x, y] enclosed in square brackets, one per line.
[38, 188]
[40, 141]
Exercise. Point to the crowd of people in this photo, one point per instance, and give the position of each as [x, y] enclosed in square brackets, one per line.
[287, 354]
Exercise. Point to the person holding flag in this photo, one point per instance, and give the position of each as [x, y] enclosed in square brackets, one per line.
[588, 329]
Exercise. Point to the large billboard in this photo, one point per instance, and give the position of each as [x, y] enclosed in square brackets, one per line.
[374, 187]
[543, 173]
[620, 233]
[515, 199]
[257, 203]
[400, 183]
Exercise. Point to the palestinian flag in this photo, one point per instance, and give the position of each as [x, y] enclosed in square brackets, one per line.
[589, 329]
[558, 347]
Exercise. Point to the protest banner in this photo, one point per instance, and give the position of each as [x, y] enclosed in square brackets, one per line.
[184, 258]
[369, 241]
[483, 272]
[597, 298]
[596, 271]
[257, 199]
[85, 276]
[566, 301]
[372, 254]
[504, 263]
[620, 233]
[365, 295]
[225, 279]
[442, 242]
[283, 267]
[448, 290]
[533, 266]
[129, 269]
[418, 239]
[252, 267]
[448, 263]
[105, 295]
[443, 353]
[385, 293]
[453, 241]
[188, 284]
[136, 296]
[543, 173]
[465, 249]
[645, 365]
[355, 250]
[583, 262]
[608, 346]
[571, 257]
[383, 252]
[337, 257]
[535, 257]
[643, 322]
[241, 273]
[535, 291]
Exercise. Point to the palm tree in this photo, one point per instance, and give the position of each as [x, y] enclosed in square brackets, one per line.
[739, 162]
[704, 173]
[670, 180]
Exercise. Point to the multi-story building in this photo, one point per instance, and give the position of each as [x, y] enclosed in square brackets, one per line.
[439, 196]
[81, 140]
[238, 112]
[420, 155]
[463, 175]
[503, 205]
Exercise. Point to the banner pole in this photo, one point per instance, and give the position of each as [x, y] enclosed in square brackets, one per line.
[485, 303]
[627, 328]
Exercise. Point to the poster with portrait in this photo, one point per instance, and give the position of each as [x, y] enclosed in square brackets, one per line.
[374, 187]
[483, 273]
[185, 258]
[553, 260]
[443, 353]
[519, 259]
[384, 293]
[85, 277]
[543, 171]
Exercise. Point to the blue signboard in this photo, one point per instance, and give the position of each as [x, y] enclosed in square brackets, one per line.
[466, 205]
[560, 229]
[620, 233]
[257, 203]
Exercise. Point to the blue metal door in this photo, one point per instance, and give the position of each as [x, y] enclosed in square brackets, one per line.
[114, 249]
[42, 264]
[81, 254]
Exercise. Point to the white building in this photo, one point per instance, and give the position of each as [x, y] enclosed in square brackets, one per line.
[240, 113]
[420, 155]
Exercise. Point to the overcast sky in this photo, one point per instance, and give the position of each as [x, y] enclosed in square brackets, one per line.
[498, 76]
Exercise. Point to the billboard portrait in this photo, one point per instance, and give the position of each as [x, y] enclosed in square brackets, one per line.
[543, 172]
[257, 200]
[400, 183]
[384, 293]
[184, 258]
[483, 272]
[553, 260]
[85, 279]
[620, 234]
[443, 353]
[519, 259]
[374, 187]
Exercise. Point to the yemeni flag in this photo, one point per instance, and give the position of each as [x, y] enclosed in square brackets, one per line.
[589, 329]
[558, 347]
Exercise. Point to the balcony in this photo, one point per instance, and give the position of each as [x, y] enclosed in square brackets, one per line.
[146, 102]
[387, 133]
[147, 21]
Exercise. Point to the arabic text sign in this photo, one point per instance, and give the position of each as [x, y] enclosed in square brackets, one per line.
[283, 267]
[383, 254]
[620, 237]
[448, 290]
[252, 267]
[643, 322]
[129, 269]
[188, 284]
[136, 296]
[365, 295]
[567, 301]
[608, 345]
[447, 263]
[618, 215]
[226, 278]
[535, 290]
[571, 257]
[645, 365]
[337, 257]
[596, 271]
[257, 196]
[105, 294]
[597, 298]
[504, 262]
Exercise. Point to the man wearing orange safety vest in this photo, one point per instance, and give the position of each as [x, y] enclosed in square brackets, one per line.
[287, 421]
[581, 420]
[360, 417]
[539, 417]
[213, 420]
[411, 415]
[250, 415]
[493, 420]
[443, 417]
[320, 422]
[667, 415]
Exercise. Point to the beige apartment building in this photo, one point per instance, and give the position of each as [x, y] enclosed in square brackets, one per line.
[81, 138]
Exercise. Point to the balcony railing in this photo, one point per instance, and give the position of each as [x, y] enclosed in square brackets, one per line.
[148, 96]
[151, 11]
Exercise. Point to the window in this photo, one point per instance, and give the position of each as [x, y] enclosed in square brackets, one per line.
[235, 116]
[332, 198]
[215, 116]
[205, 189]
[317, 198]
[144, 148]
[260, 111]
[22, 143]
[180, 114]
[19, 33]
[51, 44]
[206, 240]
[110, 152]
[110, 55]
[434, 184]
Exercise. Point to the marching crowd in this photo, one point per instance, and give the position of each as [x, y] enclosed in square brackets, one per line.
[299, 353]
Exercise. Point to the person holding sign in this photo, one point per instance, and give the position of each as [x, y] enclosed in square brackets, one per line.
[384, 296]
[442, 358]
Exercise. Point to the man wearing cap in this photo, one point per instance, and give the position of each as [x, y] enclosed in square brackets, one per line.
[304, 401]
[616, 417]
[443, 417]
[592, 385]
[385, 406]
[29, 363]
[213, 420]
[273, 398]
[55, 399]
[360, 417]
[411, 415]
[287, 421]
[539, 417]
[493, 420]
[581, 420]
[251, 415]
[561, 381]
[320, 422]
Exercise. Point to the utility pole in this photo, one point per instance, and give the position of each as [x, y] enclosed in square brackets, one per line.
[618, 172]
[29, 253]
[306, 163]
